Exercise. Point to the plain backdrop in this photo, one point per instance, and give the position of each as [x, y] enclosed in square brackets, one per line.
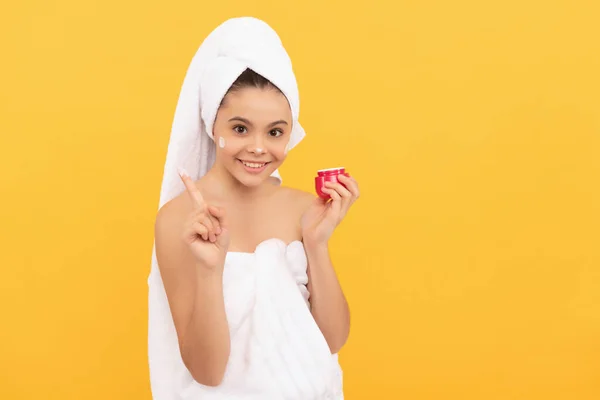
[471, 261]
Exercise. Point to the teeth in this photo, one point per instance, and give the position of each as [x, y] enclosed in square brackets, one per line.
[253, 165]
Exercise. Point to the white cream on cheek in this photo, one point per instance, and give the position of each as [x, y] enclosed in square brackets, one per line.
[221, 142]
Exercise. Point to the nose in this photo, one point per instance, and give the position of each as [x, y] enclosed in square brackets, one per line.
[257, 145]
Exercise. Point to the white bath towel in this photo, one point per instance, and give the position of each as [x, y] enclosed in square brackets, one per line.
[234, 46]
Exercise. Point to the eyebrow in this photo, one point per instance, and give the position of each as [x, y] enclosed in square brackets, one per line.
[247, 122]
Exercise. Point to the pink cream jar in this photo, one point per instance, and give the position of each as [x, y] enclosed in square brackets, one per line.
[327, 175]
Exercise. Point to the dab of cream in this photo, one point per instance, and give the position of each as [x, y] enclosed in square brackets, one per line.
[221, 142]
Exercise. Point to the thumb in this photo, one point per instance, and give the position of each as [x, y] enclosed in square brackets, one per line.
[223, 238]
[218, 213]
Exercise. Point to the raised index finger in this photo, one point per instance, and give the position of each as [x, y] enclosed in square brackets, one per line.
[191, 188]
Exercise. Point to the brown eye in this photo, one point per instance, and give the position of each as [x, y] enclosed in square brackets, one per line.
[276, 132]
[239, 129]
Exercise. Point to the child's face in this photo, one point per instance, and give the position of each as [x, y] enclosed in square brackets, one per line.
[251, 131]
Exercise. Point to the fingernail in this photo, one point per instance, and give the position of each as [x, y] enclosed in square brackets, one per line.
[182, 172]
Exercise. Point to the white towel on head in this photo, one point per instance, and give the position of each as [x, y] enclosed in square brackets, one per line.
[233, 47]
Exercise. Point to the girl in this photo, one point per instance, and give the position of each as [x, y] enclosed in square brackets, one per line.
[244, 301]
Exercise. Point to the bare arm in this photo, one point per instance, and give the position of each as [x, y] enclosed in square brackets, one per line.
[319, 219]
[328, 303]
[195, 295]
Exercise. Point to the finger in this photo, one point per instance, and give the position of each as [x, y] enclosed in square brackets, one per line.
[206, 220]
[191, 188]
[220, 215]
[338, 187]
[335, 204]
[350, 184]
[200, 230]
[344, 193]
[216, 224]
[215, 214]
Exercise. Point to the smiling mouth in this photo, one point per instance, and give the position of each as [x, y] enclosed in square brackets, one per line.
[254, 165]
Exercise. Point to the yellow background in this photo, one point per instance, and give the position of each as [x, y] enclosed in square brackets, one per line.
[471, 262]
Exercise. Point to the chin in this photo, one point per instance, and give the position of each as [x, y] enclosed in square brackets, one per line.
[249, 181]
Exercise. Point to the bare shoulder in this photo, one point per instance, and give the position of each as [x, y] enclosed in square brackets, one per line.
[166, 228]
[179, 206]
[169, 220]
[298, 199]
[171, 211]
[171, 252]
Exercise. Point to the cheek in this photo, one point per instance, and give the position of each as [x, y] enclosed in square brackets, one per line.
[279, 150]
[229, 146]
[285, 148]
